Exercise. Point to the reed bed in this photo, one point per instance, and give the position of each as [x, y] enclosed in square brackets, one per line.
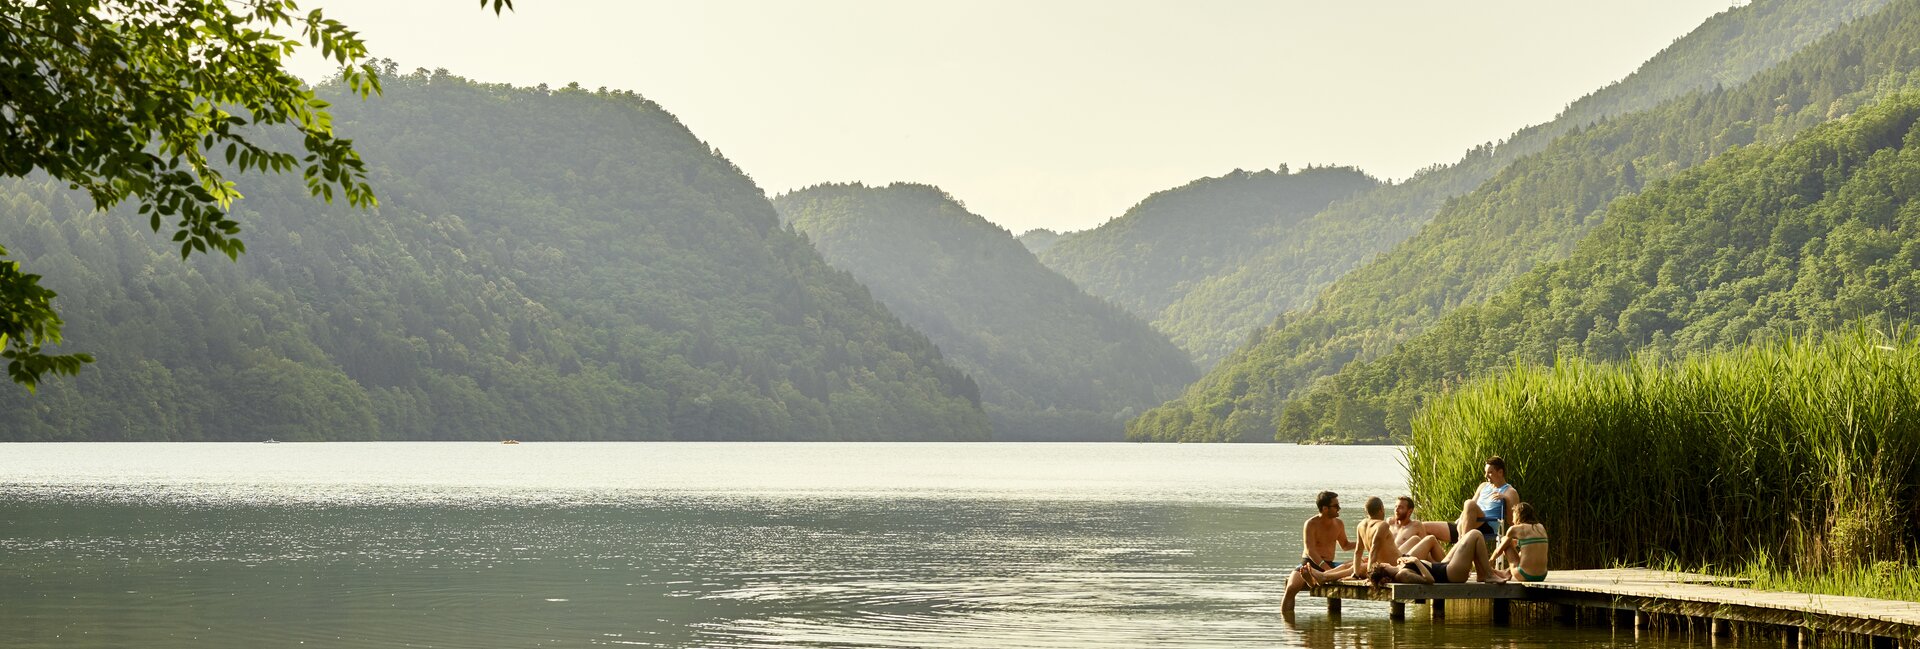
[1792, 459]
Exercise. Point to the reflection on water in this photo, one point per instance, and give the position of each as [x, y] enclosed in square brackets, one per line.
[688, 545]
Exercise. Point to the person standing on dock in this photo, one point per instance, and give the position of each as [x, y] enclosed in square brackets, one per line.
[1323, 532]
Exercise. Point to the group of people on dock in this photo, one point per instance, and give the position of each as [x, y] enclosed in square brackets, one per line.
[1405, 549]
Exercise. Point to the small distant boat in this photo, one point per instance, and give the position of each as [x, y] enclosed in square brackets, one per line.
[510, 442]
[271, 441]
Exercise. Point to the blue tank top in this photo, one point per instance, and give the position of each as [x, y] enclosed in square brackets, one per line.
[1490, 502]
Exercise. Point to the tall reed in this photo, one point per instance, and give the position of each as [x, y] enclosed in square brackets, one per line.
[1799, 453]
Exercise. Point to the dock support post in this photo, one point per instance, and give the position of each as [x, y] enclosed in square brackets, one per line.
[1439, 607]
[1333, 605]
[1502, 611]
[1398, 613]
[1639, 619]
[1720, 628]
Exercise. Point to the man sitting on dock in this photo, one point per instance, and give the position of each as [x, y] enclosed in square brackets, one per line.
[1491, 510]
[1417, 538]
[1374, 546]
[1323, 532]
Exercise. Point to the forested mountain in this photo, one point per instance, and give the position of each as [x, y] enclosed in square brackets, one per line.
[1038, 240]
[1293, 259]
[542, 265]
[1052, 361]
[1144, 259]
[1529, 213]
[1762, 241]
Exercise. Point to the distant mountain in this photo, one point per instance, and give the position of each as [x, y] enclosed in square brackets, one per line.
[1052, 361]
[1531, 212]
[1293, 259]
[1764, 241]
[565, 265]
[1038, 240]
[1148, 258]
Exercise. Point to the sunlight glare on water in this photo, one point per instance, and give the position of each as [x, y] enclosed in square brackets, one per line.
[683, 545]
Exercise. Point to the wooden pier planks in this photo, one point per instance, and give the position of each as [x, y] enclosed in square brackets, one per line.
[1695, 595]
[1669, 593]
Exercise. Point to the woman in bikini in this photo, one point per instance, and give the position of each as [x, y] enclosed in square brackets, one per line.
[1468, 558]
[1525, 545]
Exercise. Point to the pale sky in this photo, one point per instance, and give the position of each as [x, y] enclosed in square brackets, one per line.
[1052, 113]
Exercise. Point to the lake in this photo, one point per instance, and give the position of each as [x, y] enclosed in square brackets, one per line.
[689, 545]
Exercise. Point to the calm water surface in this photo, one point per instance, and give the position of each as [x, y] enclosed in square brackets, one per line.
[687, 545]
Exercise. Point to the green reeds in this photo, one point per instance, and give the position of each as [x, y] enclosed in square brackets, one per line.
[1796, 455]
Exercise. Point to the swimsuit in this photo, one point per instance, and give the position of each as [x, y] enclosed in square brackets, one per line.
[1523, 571]
[1321, 566]
[1439, 571]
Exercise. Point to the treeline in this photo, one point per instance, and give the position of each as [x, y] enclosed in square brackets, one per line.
[564, 265]
[1052, 361]
[1293, 259]
[1764, 241]
[1531, 212]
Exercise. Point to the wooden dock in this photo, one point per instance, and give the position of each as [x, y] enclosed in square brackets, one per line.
[1641, 597]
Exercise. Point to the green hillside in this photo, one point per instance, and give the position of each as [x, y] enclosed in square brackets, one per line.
[1145, 259]
[1038, 240]
[1297, 260]
[1765, 241]
[543, 265]
[1052, 361]
[1529, 213]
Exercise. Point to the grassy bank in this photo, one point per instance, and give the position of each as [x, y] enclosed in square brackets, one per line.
[1792, 462]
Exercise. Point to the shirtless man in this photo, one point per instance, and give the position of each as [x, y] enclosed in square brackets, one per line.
[1373, 546]
[1323, 532]
[1416, 538]
[1469, 558]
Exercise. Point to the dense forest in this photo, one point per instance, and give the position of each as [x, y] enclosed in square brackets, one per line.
[1531, 212]
[1762, 242]
[1282, 265]
[1147, 258]
[1052, 362]
[543, 264]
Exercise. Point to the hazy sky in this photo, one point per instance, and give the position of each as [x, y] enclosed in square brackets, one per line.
[1053, 113]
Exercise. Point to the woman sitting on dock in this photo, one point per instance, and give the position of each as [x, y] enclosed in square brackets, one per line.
[1525, 546]
[1468, 557]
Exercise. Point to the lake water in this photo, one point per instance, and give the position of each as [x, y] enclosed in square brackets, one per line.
[689, 545]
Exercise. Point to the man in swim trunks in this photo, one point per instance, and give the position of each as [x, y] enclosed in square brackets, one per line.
[1323, 532]
[1417, 538]
[1373, 545]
